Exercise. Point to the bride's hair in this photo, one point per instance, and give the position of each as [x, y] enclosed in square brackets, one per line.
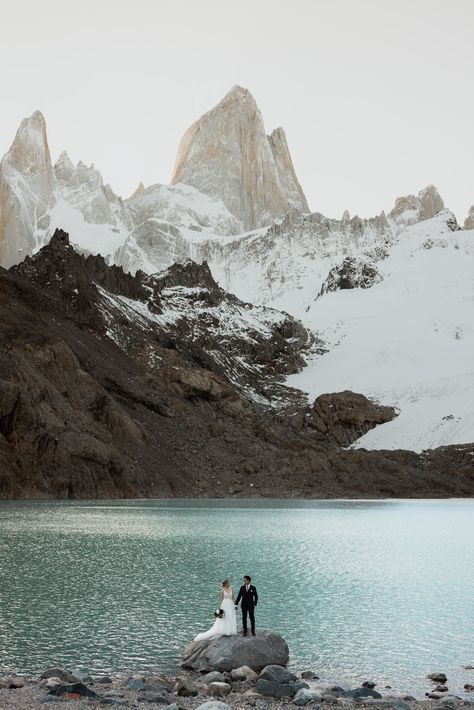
[226, 583]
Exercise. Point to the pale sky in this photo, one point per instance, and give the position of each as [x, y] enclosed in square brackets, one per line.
[376, 96]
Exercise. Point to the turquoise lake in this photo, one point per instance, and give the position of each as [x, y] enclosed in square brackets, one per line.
[380, 590]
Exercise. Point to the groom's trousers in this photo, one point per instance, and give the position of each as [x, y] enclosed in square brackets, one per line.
[251, 612]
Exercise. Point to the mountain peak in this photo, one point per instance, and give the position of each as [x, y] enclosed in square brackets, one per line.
[29, 151]
[238, 94]
[226, 154]
[416, 208]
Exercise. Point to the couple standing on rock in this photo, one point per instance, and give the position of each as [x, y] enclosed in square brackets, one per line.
[226, 619]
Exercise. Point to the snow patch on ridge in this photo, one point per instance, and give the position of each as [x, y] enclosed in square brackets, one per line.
[408, 341]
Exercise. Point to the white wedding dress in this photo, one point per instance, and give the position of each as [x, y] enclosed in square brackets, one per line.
[227, 626]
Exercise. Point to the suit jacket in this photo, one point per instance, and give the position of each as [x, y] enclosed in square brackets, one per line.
[249, 599]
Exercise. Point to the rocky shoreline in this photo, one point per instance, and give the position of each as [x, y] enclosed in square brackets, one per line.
[270, 687]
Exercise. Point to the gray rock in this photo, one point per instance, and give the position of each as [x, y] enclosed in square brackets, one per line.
[214, 677]
[362, 693]
[185, 688]
[158, 681]
[73, 689]
[277, 673]
[368, 684]
[173, 706]
[104, 680]
[136, 684]
[309, 675]
[213, 705]
[274, 689]
[228, 652]
[218, 690]
[441, 689]
[305, 696]
[61, 674]
[437, 677]
[243, 673]
[468, 687]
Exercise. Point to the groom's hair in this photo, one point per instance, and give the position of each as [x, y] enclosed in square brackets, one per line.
[247, 577]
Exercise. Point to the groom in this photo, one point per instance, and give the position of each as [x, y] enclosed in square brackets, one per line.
[249, 596]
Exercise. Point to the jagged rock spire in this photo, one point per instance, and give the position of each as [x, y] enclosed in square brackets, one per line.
[226, 154]
[29, 150]
[27, 190]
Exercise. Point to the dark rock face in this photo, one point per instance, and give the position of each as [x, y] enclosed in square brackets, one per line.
[437, 677]
[352, 273]
[182, 309]
[73, 691]
[228, 652]
[345, 416]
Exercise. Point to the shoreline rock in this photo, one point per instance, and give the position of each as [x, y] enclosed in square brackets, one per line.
[228, 653]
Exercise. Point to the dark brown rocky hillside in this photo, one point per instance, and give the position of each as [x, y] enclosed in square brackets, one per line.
[120, 386]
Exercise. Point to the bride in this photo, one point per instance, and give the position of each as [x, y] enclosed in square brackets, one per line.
[227, 625]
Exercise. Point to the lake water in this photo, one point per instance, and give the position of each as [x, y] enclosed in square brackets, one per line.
[360, 590]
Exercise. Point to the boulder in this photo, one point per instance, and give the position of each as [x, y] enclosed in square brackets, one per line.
[362, 693]
[218, 690]
[278, 674]
[309, 675]
[133, 683]
[278, 682]
[437, 677]
[215, 677]
[243, 673]
[274, 689]
[305, 696]
[228, 652]
[185, 688]
[61, 674]
[73, 691]
[468, 687]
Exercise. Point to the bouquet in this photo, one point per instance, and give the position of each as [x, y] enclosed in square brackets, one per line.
[219, 613]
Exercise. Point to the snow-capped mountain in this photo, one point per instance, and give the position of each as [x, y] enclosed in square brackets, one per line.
[390, 296]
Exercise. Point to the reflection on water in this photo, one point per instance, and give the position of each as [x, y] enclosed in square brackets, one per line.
[359, 589]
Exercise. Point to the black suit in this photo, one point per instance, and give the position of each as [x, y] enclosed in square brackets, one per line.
[249, 602]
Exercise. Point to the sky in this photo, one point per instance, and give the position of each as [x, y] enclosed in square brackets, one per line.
[375, 96]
